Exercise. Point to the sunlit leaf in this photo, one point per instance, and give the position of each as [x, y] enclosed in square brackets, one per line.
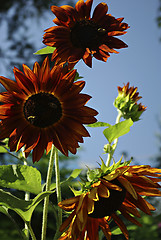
[75, 173]
[23, 208]
[104, 168]
[117, 231]
[20, 177]
[4, 210]
[45, 50]
[3, 150]
[99, 124]
[117, 130]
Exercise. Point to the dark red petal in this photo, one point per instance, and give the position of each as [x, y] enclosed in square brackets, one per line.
[60, 13]
[23, 83]
[87, 58]
[72, 13]
[9, 85]
[121, 225]
[100, 11]
[40, 147]
[88, 8]
[80, 7]
[32, 76]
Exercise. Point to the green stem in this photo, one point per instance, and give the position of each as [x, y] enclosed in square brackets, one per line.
[13, 155]
[110, 155]
[58, 192]
[31, 231]
[46, 200]
[27, 198]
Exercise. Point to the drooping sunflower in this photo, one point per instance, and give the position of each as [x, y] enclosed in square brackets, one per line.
[79, 36]
[119, 189]
[44, 107]
[127, 102]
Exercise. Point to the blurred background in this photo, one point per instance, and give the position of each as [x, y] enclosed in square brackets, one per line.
[22, 25]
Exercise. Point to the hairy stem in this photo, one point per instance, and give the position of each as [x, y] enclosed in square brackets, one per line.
[27, 198]
[46, 200]
[58, 192]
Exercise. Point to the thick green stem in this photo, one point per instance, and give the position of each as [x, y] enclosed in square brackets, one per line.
[58, 192]
[27, 198]
[46, 200]
[110, 155]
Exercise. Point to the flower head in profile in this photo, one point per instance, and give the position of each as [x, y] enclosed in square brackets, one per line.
[126, 102]
[79, 36]
[44, 107]
[117, 188]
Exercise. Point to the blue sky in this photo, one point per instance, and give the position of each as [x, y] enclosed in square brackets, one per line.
[139, 64]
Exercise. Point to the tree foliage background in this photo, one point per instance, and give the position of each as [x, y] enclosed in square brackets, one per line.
[19, 20]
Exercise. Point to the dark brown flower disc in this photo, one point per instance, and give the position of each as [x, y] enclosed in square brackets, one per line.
[42, 109]
[107, 206]
[86, 34]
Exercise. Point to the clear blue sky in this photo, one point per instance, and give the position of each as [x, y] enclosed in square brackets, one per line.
[140, 64]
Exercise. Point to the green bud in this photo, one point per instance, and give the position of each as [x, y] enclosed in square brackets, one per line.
[93, 174]
[126, 102]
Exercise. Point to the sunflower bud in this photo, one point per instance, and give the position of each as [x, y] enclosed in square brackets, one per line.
[93, 174]
[126, 102]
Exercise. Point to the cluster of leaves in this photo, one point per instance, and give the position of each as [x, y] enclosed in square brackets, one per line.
[15, 179]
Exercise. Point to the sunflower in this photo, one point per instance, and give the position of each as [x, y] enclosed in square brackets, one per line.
[126, 102]
[44, 107]
[121, 188]
[79, 36]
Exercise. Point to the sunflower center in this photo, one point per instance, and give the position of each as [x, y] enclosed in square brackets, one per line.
[42, 109]
[87, 34]
[107, 206]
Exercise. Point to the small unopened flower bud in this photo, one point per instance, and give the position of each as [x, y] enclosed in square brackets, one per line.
[93, 174]
[126, 102]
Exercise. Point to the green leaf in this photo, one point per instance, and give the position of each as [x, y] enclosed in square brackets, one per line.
[76, 192]
[104, 168]
[3, 150]
[99, 124]
[75, 173]
[117, 130]
[23, 208]
[45, 50]
[117, 231]
[77, 77]
[4, 210]
[20, 177]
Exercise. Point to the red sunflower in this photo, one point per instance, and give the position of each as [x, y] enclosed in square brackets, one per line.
[79, 36]
[121, 189]
[44, 107]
